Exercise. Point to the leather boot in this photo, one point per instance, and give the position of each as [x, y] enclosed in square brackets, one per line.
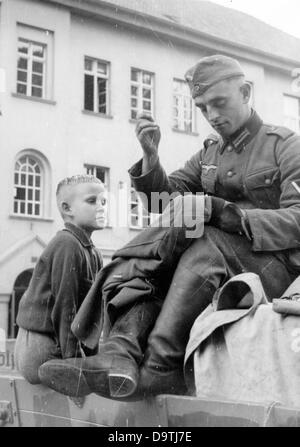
[114, 371]
[162, 371]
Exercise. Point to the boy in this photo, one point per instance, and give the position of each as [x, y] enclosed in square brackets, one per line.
[61, 278]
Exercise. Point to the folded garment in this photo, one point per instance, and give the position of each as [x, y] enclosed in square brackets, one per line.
[287, 304]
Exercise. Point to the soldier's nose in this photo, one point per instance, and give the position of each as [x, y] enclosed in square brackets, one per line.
[212, 114]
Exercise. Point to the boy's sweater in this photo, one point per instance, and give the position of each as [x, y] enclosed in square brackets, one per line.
[61, 279]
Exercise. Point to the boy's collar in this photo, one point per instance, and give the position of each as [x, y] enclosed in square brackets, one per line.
[79, 234]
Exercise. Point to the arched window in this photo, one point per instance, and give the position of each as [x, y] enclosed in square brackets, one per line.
[28, 184]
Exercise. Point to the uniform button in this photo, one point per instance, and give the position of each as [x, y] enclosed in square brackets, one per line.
[268, 181]
[229, 174]
[229, 148]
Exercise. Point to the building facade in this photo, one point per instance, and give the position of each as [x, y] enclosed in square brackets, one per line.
[73, 76]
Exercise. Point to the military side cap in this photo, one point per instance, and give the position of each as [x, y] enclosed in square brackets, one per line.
[210, 70]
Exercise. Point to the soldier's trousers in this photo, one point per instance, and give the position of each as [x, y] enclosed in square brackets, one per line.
[218, 256]
[206, 265]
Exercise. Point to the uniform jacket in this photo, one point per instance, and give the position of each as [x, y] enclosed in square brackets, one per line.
[61, 279]
[255, 169]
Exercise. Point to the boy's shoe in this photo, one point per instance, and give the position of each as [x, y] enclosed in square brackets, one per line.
[104, 374]
[289, 305]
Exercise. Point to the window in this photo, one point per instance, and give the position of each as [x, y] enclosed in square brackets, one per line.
[31, 68]
[100, 172]
[292, 113]
[96, 85]
[34, 62]
[27, 187]
[139, 216]
[141, 92]
[183, 107]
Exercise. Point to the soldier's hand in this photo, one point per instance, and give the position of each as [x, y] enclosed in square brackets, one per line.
[226, 215]
[217, 206]
[148, 134]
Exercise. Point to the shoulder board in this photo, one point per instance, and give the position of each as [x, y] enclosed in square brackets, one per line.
[210, 140]
[282, 132]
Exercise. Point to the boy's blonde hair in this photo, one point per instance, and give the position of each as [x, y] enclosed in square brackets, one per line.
[76, 179]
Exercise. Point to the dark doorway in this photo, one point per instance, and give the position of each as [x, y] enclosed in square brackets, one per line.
[20, 286]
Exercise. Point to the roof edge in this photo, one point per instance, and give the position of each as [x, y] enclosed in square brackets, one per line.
[101, 9]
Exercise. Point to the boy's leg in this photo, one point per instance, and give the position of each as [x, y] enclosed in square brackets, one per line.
[32, 349]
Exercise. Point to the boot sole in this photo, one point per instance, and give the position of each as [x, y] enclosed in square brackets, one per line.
[70, 381]
[118, 380]
[121, 385]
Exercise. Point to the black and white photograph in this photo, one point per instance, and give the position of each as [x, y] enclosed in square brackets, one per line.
[150, 217]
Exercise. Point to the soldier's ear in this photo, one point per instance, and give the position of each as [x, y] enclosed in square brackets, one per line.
[246, 92]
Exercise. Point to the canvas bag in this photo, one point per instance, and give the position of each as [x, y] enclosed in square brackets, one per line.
[243, 350]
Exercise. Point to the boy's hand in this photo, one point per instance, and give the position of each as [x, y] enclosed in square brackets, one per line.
[148, 134]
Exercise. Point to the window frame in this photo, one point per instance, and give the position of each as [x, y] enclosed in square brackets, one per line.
[46, 186]
[287, 118]
[90, 170]
[181, 109]
[44, 38]
[31, 59]
[92, 167]
[27, 187]
[97, 76]
[140, 85]
[142, 213]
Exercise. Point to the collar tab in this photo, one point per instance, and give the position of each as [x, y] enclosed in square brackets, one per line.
[244, 134]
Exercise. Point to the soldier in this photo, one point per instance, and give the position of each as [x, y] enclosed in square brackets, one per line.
[246, 173]
[252, 166]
